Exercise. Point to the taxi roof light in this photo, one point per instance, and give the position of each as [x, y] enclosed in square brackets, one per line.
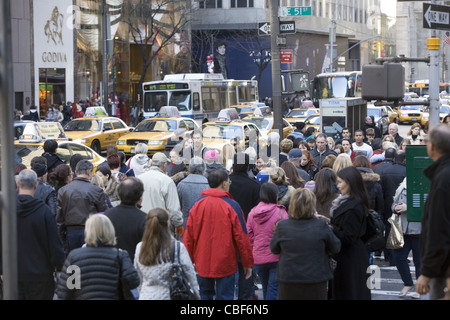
[168, 112]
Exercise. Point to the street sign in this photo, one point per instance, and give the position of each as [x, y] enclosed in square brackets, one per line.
[264, 28]
[436, 17]
[286, 55]
[294, 11]
[287, 27]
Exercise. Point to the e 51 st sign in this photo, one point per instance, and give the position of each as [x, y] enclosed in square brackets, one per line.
[436, 17]
[294, 11]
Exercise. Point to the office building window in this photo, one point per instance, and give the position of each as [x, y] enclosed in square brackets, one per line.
[241, 3]
[210, 4]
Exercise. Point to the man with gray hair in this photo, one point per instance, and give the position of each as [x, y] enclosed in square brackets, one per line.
[160, 191]
[75, 202]
[435, 236]
[39, 247]
[190, 188]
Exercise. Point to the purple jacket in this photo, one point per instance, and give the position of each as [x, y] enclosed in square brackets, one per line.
[261, 220]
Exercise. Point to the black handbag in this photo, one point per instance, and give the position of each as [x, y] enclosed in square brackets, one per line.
[180, 288]
[124, 291]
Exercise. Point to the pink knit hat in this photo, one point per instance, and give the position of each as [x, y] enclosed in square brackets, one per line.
[211, 155]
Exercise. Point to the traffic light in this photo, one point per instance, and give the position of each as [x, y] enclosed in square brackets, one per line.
[375, 45]
[381, 45]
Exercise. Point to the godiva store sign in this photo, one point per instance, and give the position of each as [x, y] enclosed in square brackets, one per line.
[53, 41]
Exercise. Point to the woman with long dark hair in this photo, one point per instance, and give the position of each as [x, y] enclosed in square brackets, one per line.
[349, 220]
[291, 171]
[326, 191]
[153, 261]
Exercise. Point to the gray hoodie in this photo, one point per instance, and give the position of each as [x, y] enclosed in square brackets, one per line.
[139, 163]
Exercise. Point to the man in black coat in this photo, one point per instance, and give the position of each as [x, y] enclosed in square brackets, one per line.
[44, 191]
[53, 160]
[128, 220]
[39, 247]
[435, 239]
[321, 150]
[245, 191]
[388, 161]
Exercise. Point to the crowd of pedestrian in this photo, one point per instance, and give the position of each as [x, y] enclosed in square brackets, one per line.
[291, 217]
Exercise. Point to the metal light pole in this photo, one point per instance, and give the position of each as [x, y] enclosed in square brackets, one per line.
[276, 66]
[8, 190]
[434, 45]
[104, 12]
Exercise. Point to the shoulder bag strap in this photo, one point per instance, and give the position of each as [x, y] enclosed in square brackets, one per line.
[120, 263]
[178, 252]
[173, 251]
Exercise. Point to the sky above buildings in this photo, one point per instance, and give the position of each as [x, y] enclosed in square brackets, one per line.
[389, 7]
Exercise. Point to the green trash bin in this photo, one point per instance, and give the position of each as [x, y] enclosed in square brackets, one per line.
[417, 184]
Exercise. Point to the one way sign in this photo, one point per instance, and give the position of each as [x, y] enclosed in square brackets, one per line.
[436, 17]
[285, 27]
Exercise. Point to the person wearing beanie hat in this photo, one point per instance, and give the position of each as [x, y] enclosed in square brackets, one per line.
[44, 191]
[262, 177]
[212, 161]
[160, 191]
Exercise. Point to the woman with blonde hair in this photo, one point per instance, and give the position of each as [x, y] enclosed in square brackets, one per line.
[99, 263]
[153, 258]
[342, 161]
[285, 190]
[304, 244]
[414, 135]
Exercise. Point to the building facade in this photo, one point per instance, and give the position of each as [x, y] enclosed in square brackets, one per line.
[59, 47]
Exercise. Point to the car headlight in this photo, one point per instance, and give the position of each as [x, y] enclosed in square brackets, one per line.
[404, 114]
[85, 140]
[153, 142]
[121, 142]
[424, 117]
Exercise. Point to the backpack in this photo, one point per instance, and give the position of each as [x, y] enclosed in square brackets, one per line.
[374, 236]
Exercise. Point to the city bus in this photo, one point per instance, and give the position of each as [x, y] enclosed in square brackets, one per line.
[422, 87]
[199, 96]
[342, 84]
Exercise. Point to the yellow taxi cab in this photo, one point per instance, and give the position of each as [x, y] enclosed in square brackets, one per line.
[264, 110]
[222, 131]
[443, 111]
[96, 132]
[247, 107]
[410, 113]
[31, 144]
[265, 123]
[299, 114]
[157, 133]
[313, 121]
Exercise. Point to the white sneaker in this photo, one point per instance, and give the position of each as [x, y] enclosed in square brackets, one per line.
[415, 295]
[404, 291]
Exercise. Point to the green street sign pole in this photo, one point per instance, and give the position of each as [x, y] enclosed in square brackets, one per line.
[294, 11]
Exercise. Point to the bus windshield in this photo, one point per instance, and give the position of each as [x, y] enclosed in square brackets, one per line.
[181, 100]
[336, 85]
[153, 101]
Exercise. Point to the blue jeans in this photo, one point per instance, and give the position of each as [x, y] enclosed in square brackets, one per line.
[216, 288]
[401, 258]
[268, 275]
[74, 239]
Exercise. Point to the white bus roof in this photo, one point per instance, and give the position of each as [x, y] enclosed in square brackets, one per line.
[193, 76]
